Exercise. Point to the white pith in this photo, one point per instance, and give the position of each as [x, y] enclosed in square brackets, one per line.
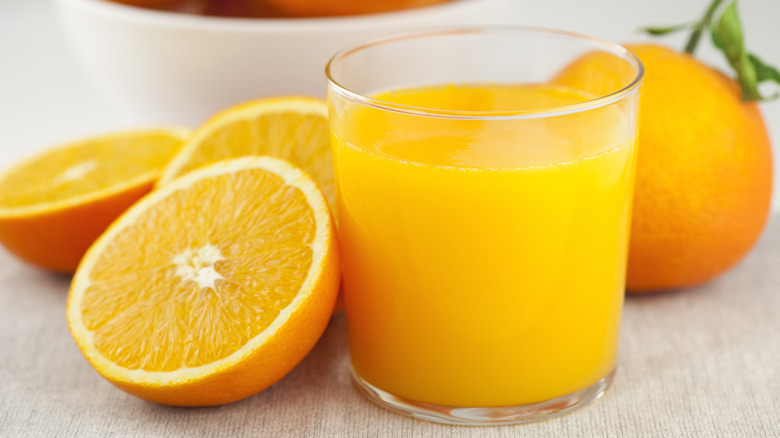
[76, 172]
[198, 265]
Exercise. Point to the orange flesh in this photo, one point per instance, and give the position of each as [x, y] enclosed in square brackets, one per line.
[193, 323]
[88, 167]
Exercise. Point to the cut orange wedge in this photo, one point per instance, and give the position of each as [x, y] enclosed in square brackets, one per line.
[55, 204]
[292, 128]
[211, 288]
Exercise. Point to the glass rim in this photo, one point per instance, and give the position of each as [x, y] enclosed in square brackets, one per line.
[552, 111]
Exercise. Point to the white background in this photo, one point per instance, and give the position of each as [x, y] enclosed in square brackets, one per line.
[46, 97]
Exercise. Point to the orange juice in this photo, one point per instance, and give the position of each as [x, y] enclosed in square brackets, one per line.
[484, 260]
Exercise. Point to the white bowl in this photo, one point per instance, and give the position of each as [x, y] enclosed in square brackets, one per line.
[165, 67]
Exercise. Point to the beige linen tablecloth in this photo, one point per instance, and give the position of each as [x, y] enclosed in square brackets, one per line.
[703, 362]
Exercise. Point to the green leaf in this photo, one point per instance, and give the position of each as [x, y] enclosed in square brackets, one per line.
[765, 73]
[659, 31]
[727, 36]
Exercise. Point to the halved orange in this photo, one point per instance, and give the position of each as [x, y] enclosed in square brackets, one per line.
[294, 128]
[56, 203]
[211, 288]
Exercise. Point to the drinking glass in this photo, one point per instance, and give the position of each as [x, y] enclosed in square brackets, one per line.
[484, 179]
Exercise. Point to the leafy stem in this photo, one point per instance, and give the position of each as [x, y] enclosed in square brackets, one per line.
[701, 26]
[727, 35]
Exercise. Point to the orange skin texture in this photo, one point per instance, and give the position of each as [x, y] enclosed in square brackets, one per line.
[704, 174]
[264, 366]
[704, 168]
[319, 8]
[57, 240]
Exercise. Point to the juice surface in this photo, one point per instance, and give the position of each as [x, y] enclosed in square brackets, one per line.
[484, 260]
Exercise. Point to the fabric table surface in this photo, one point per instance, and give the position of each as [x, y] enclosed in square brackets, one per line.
[703, 362]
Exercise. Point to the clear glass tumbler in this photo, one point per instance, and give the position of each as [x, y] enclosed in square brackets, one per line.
[484, 179]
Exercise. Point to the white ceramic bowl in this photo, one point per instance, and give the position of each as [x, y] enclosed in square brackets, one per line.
[164, 67]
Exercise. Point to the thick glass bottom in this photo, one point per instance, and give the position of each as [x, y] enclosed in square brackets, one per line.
[489, 416]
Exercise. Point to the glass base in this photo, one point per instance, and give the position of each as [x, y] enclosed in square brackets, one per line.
[489, 416]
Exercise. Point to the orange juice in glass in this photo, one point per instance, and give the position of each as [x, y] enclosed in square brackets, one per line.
[484, 211]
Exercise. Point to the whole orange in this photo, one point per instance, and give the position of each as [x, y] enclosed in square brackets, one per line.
[704, 168]
[315, 8]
